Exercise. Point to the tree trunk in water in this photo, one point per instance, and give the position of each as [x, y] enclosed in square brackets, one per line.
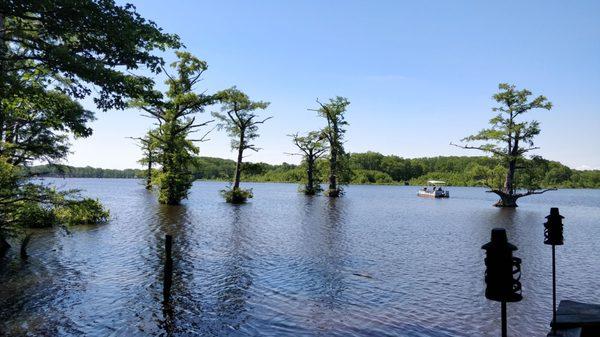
[506, 200]
[333, 188]
[149, 173]
[310, 184]
[510, 177]
[24, 244]
[238, 165]
[507, 195]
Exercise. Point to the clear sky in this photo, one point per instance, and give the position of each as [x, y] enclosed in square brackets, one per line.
[419, 74]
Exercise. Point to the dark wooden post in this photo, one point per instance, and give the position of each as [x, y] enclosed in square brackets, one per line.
[168, 271]
[24, 244]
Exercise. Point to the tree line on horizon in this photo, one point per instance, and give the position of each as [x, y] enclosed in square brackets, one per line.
[365, 168]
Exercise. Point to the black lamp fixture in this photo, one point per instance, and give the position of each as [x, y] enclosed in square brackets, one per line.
[503, 272]
[553, 235]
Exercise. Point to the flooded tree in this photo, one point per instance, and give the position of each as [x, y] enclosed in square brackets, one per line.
[174, 112]
[333, 112]
[312, 147]
[509, 140]
[238, 117]
[149, 149]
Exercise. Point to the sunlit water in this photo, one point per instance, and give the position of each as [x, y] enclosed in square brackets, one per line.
[377, 262]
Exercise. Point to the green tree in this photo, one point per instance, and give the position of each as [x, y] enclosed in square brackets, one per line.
[509, 140]
[174, 111]
[149, 148]
[311, 147]
[238, 117]
[333, 112]
[83, 44]
[36, 124]
[366, 161]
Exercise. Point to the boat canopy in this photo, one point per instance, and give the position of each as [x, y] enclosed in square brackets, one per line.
[436, 182]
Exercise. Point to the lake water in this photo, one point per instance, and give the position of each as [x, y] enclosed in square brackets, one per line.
[377, 262]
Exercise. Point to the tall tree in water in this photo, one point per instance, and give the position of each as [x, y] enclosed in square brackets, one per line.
[174, 112]
[149, 149]
[510, 140]
[312, 147]
[238, 117]
[333, 112]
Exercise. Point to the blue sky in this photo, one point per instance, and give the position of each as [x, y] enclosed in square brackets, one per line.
[419, 74]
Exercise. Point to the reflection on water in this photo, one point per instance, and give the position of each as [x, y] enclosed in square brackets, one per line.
[378, 261]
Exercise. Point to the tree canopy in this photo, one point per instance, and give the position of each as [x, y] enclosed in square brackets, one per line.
[239, 119]
[333, 113]
[311, 147]
[81, 43]
[175, 112]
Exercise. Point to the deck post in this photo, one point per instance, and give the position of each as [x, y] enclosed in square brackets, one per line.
[168, 270]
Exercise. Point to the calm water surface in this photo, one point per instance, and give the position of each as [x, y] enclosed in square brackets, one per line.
[378, 262]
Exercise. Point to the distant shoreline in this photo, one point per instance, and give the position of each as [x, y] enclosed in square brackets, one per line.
[297, 183]
[369, 168]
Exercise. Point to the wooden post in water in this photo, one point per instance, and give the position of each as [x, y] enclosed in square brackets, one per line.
[24, 244]
[168, 270]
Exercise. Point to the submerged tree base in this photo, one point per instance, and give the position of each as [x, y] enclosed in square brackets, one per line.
[236, 195]
[509, 200]
[309, 192]
[506, 200]
[333, 193]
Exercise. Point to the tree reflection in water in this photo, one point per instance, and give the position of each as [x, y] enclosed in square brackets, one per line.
[232, 298]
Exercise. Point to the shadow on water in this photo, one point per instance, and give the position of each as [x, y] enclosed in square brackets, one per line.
[320, 271]
[233, 294]
[332, 273]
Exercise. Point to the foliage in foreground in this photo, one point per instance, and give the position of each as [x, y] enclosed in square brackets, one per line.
[52, 54]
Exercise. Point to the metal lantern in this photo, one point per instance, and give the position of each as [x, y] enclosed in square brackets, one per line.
[553, 228]
[553, 235]
[503, 272]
